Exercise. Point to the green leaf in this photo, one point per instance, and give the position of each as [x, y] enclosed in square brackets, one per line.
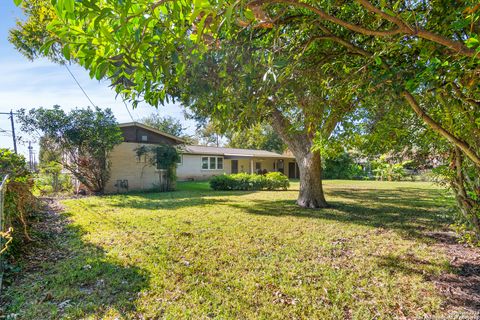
[472, 42]
[102, 69]
[66, 52]
[378, 61]
[17, 2]
[69, 5]
[45, 48]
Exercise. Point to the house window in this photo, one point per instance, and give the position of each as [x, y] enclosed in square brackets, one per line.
[180, 159]
[212, 163]
[280, 164]
[204, 162]
[144, 138]
[258, 166]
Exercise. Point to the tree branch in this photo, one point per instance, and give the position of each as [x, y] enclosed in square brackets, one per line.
[325, 16]
[402, 26]
[462, 145]
[282, 127]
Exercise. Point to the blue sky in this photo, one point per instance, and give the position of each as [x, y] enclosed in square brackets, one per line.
[41, 83]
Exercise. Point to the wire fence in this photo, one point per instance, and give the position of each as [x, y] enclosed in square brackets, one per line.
[3, 189]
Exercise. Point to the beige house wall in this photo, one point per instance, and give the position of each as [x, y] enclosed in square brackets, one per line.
[125, 166]
[191, 167]
[142, 176]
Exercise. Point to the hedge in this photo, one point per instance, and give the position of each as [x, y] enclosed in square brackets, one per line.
[245, 181]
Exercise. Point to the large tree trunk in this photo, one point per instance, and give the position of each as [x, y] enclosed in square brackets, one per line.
[311, 190]
[310, 163]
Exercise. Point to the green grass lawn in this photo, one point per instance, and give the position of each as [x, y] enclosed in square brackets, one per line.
[197, 253]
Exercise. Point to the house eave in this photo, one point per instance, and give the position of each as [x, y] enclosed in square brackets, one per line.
[141, 125]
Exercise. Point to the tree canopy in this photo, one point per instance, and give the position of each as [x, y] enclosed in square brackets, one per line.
[166, 124]
[260, 137]
[83, 137]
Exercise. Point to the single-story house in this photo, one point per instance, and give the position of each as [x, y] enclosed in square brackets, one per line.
[130, 172]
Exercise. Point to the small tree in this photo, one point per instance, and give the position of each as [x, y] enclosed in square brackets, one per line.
[84, 137]
[163, 157]
[53, 171]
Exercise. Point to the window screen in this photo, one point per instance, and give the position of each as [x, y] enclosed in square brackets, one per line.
[213, 163]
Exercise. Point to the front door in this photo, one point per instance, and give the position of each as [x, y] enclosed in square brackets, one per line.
[234, 166]
[293, 172]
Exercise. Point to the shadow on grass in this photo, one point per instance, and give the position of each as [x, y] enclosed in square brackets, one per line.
[67, 277]
[408, 264]
[172, 200]
[409, 211]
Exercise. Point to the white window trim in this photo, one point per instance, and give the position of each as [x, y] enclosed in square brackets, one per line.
[208, 163]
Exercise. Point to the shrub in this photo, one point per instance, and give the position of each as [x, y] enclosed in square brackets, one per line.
[342, 166]
[51, 180]
[222, 182]
[19, 200]
[277, 180]
[245, 181]
[258, 182]
[384, 170]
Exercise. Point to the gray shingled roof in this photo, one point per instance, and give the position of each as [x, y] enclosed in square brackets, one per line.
[232, 152]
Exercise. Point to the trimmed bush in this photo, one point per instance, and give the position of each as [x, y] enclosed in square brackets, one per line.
[245, 181]
[222, 182]
[277, 180]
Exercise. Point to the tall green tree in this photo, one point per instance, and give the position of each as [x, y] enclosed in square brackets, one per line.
[166, 124]
[84, 137]
[260, 137]
[208, 133]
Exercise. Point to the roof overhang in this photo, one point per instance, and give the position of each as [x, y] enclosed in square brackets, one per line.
[141, 125]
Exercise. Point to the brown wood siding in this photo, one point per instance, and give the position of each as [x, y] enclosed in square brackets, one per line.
[134, 134]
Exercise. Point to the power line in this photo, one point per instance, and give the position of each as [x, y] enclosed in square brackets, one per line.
[126, 107]
[86, 95]
[78, 84]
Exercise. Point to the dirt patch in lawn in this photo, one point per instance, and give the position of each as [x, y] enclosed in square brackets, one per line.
[461, 286]
[49, 226]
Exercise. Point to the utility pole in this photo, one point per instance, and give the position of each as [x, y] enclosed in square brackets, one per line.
[13, 129]
[13, 132]
[30, 155]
